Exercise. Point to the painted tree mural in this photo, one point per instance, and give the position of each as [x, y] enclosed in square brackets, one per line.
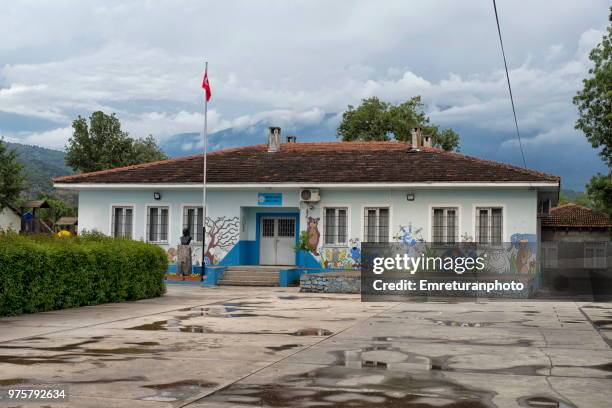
[222, 234]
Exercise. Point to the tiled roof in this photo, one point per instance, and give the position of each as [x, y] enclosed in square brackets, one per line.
[329, 162]
[575, 216]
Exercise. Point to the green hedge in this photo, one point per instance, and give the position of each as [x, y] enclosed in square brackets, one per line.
[39, 273]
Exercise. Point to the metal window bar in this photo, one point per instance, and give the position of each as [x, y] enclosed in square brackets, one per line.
[286, 227]
[267, 227]
[192, 220]
[595, 255]
[445, 228]
[376, 225]
[489, 226]
[157, 224]
[121, 223]
[550, 257]
[336, 229]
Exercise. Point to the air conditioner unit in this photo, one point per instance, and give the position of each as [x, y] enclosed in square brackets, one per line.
[310, 195]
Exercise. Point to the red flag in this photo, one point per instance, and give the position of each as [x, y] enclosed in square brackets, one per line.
[206, 86]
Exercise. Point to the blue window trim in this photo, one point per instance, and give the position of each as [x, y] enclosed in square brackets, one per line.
[276, 214]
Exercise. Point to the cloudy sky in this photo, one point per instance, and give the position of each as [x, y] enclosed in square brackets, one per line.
[293, 62]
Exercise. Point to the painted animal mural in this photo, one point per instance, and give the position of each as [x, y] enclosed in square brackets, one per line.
[313, 235]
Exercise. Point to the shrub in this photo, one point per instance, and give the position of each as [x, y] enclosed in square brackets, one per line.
[39, 273]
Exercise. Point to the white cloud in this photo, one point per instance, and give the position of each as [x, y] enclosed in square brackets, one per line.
[53, 139]
[289, 63]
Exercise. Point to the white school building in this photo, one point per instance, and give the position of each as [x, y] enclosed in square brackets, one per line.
[338, 194]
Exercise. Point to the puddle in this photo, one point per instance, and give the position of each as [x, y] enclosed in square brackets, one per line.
[283, 347]
[437, 340]
[144, 343]
[12, 381]
[603, 324]
[312, 332]
[386, 357]
[543, 402]
[343, 387]
[71, 351]
[175, 391]
[452, 323]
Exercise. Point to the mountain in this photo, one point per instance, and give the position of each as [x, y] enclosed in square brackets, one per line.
[185, 144]
[40, 165]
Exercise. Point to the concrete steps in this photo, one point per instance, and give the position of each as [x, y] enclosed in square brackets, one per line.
[251, 275]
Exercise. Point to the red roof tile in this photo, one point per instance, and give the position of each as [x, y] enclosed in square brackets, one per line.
[575, 216]
[325, 162]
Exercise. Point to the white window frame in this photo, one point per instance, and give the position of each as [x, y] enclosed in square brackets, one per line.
[111, 217]
[445, 207]
[146, 227]
[363, 218]
[549, 260]
[475, 214]
[595, 262]
[188, 206]
[324, 226]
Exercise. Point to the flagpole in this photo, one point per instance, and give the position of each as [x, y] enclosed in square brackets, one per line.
[205, 136]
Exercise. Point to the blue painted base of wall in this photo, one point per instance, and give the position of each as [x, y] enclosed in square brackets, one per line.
[172, 268]
[176, 282]
[213, 275]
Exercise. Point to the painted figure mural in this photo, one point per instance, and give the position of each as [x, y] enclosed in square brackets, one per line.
[313, 235]
[409, 236]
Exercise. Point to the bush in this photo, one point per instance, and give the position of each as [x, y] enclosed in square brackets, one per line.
[39, 273]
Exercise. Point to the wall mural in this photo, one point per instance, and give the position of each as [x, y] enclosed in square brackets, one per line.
[518, 256]
[222, 234]
[408, 235]
[313, 235]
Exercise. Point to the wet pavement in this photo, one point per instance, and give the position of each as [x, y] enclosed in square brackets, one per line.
[276, 347]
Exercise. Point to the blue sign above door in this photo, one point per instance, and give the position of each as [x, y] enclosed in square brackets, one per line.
[270, 199]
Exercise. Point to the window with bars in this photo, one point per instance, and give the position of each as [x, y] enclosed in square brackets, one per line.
[595, 255]
[335, 226]
[193, 218]
[489, 225]
[376, 224]
[549, 254]
[445, 225]
[157, 224]
[286, 227]
[122, 221]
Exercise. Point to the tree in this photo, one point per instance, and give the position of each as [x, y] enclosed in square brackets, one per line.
[378, 120]
[11, 177]
[370, 121]
[594, 104]
[103, 145]
[599, 191]
[594, 101]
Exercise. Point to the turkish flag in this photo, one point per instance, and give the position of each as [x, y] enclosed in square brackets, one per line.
[206, 86]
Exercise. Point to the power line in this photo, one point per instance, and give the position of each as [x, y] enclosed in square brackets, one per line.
[509, 87]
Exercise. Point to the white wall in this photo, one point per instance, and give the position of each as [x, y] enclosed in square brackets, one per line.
[9, 220]
[519, 214]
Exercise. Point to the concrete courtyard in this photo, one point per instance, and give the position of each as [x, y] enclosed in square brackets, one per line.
[272, 347]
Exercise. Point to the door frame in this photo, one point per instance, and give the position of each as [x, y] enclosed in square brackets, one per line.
[260, 215]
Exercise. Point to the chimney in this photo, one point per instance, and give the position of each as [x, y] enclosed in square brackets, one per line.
[291, 139]
[416, 138]
[274, 139]
[426, 141]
